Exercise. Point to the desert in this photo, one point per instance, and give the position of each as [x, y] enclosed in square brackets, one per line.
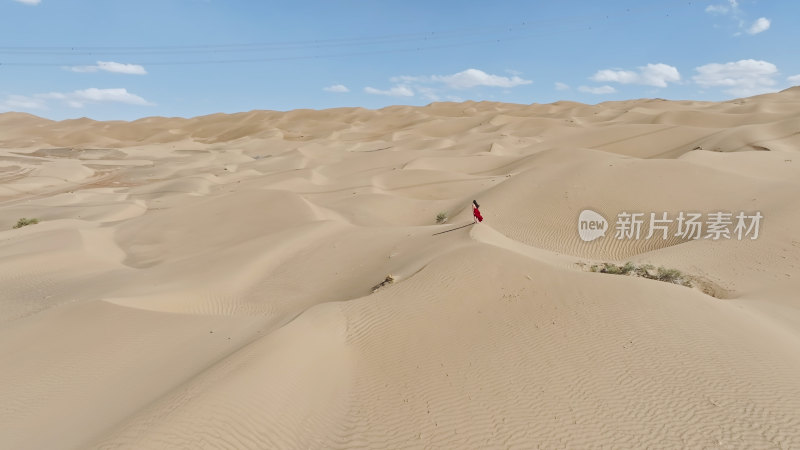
[273, 279]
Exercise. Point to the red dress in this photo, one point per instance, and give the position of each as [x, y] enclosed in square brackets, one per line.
[477, 213]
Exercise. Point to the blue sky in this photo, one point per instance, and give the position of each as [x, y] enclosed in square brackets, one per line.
[122, 59]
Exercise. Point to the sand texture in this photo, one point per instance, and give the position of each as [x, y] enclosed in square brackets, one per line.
[208, 282]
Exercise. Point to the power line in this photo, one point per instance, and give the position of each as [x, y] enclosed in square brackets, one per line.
[505, 33]
[299, 57]
[71, 50]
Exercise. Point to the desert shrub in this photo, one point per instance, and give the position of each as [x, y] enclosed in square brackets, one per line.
[615, 269]
[388, 280]
[627, 268]
[441, 217]
[25, 222]
[668, 275]
[644, 271]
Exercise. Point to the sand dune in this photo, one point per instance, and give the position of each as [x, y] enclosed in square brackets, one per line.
[208, 282]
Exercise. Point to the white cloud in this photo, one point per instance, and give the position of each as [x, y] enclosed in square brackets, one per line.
[29, 2]
[717, 9]
[396, 91]
[466, 79]
[74, 99]
[741, 78]
[438, 87]
[617, 76]
[760, 25]
[561, 86]
[110, 66]
[794, 79]
[732, 7]
[474, 77]
[658, 75]
[732, 10]
[600, 90]
[120, 95]
[21, 103]
[429, 93]
[336, 88]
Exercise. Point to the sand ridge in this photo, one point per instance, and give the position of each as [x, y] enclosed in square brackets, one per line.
[207, 282]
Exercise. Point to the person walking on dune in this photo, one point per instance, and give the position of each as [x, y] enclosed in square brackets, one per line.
[476, 213]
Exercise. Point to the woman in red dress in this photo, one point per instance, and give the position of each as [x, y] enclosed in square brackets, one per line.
[476, 213]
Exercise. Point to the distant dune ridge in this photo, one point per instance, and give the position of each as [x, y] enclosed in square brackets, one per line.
[208, 282]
